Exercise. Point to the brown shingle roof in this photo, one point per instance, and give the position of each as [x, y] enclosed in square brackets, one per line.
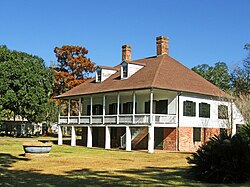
[159, 72]
[109, 68]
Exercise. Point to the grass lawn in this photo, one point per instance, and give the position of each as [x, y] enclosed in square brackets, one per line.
[79, 166]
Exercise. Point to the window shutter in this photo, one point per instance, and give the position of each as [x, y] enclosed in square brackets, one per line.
[193, 109]
[147, 107]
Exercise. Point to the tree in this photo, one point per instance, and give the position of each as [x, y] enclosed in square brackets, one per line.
[223, 159]
[240, 76]
[25, 84]
[73, 68]
[218, 75]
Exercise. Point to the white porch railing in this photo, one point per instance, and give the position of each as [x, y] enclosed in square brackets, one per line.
[122, 119]
[164, 118]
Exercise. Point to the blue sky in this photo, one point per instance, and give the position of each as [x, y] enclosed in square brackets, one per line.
[199, 32]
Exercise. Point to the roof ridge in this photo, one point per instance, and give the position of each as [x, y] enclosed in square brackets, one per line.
[156, 73]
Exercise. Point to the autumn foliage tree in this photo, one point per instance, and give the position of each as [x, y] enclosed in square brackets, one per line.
[73, 67]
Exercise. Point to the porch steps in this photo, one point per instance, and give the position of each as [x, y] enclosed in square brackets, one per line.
[139, 137]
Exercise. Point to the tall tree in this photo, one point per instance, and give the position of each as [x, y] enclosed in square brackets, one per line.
[25, 84]
[73, 67]
[218, 75]
[240, 76]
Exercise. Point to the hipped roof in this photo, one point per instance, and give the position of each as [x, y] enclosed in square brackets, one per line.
[161, 72]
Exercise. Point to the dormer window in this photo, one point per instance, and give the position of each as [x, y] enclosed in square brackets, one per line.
[98, 75]
[104, 72]
[130, 68]
[125, 70]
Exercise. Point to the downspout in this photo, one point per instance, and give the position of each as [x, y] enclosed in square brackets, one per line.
[178, 120]
[231, 117]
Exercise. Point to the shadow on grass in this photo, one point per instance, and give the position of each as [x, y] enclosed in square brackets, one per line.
[149, 176]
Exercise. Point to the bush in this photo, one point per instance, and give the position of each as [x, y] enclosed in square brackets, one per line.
[244, 132]
[222, 160]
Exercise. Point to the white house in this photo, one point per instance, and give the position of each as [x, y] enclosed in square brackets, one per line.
[150, 103]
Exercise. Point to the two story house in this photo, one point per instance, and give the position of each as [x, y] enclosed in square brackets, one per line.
[150, 103]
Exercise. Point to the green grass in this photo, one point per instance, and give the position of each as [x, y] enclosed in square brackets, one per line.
[79, 166]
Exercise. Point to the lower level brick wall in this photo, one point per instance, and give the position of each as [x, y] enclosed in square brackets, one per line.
[169, 142]
[210, 132]
[186, 138]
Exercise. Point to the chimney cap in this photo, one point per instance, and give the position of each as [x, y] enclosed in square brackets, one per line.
[126, 46]
[161, 38]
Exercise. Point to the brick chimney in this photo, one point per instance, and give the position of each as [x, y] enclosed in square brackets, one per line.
[162, 45]
[126, 53]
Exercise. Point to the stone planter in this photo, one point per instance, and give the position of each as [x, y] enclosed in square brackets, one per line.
[37, 148]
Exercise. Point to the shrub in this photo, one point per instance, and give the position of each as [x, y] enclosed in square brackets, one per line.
[222, 160]
[244, 132]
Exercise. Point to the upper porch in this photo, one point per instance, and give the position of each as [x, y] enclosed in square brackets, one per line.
[137, 107]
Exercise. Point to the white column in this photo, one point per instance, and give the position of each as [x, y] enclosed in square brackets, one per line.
[73, 136]
[151, 139]
[118, 107]
[133, 107]
[234, 128]
[60, 140]
[151, 105]
[128, 138]
[107, 137]
[91, 108]
[89, 137]
[59, 113]
[103, 109]
[79, 110]
[68, 110]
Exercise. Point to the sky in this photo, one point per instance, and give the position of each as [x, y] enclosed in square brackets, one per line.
[199, 32]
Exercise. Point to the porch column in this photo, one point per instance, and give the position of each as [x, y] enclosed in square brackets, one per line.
[151, 105]
[133, 107]
[79, 110]
[73, 136]
[68, 111]
[107, 137]
[91, 108]
[59, 113]
[89, 137]
[233, 125]
[118, 107]
[128, 138]
[103, 109]
[60, 140]
[151, 139]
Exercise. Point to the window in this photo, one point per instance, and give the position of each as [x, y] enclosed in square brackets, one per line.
[223, 112]
[162, 107]
[113, 108]
[189, 108]
[99, 75]
[128, 108]
[124, 70]
[159, 107]
[196, 134]
[97, 110]
[204, 110]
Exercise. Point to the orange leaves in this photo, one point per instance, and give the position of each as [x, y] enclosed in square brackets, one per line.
[73, 67]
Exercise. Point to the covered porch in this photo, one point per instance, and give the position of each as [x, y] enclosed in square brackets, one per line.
[145, 109]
